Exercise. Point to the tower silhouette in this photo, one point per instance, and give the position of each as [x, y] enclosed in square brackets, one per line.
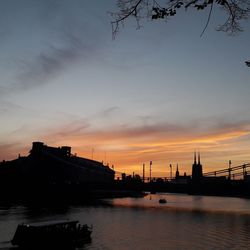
[196, 169]
[177, 174]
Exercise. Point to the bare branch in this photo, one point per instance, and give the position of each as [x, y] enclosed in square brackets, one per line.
[124, 13]
[131, 12]
[208, 19]
[235, 10]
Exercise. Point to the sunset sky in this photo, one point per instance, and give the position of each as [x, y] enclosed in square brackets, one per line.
[158, 93]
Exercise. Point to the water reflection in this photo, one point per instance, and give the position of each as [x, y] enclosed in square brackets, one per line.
[184, 222]
[180, 202]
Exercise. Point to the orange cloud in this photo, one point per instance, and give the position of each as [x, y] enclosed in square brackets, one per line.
[127, 147]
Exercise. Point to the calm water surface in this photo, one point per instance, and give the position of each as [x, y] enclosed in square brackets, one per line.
[184, 222]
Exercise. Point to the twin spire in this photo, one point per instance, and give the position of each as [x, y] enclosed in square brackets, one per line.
[197, 168]
[199, 160]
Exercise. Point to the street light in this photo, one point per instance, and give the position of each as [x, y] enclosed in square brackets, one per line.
[150, 170]
[170, 171]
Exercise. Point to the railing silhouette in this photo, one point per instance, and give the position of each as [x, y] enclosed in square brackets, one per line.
[236, 172]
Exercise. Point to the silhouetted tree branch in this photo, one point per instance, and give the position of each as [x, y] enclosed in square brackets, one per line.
[235, 11]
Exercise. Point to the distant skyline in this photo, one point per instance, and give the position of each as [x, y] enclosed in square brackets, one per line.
[155, 94]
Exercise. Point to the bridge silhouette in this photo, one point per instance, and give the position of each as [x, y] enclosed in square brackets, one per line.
[230, 173]
[237, 172]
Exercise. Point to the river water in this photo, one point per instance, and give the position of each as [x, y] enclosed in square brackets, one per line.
[184, 222]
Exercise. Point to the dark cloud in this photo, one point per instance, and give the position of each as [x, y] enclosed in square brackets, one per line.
[221, 125]
[142, 139]
[146, 131]
[59, 35]
[84, 129]
[108, 113]
[8, 107]
[3, 91]
[193, 132]
[226, 124]
[54, 61]
[74, 128]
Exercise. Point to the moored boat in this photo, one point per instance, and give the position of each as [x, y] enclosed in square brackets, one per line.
[162, 201]
[65, 233]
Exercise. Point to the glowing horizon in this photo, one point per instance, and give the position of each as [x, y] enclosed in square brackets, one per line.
[127, 154]
[154, 94]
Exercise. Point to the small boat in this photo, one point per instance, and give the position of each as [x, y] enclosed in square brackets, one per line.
[65, 233]
[162, 201]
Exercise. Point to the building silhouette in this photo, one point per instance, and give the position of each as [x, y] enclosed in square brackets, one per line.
[181, 179]
[197, 169]
[47, 165]
[177, 173]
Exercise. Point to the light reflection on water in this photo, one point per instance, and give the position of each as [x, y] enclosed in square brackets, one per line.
[184, 222]
[189, 203]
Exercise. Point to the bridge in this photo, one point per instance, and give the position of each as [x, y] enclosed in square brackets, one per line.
[237, 172]
[230, 173]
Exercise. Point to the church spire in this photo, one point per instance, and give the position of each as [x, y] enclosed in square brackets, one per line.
[177, 174]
